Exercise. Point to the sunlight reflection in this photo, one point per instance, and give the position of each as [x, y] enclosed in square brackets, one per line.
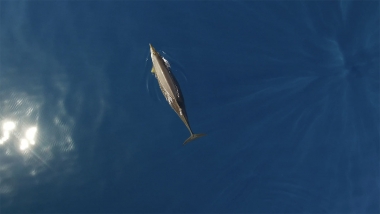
[29, 139]
[24, 144]
[27, 147]
[8, 126]
[30, 134]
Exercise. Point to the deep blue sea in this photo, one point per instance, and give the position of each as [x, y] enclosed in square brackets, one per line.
[286, 91]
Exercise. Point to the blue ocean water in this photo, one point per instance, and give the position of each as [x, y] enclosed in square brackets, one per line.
[287, 92]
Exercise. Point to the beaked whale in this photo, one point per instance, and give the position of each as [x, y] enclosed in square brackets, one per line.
[170, 89]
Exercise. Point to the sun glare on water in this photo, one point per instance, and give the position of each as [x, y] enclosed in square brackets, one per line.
[26, 140]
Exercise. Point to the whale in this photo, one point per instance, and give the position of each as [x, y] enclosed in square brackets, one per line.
[171, 90]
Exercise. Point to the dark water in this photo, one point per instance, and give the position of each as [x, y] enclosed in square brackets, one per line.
[287, 92]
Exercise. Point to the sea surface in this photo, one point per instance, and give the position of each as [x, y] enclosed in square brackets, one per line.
[286, 91]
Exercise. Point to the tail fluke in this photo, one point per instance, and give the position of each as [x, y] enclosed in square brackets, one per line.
[193, 137]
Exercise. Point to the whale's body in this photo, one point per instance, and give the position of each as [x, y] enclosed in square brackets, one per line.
[170, 89]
